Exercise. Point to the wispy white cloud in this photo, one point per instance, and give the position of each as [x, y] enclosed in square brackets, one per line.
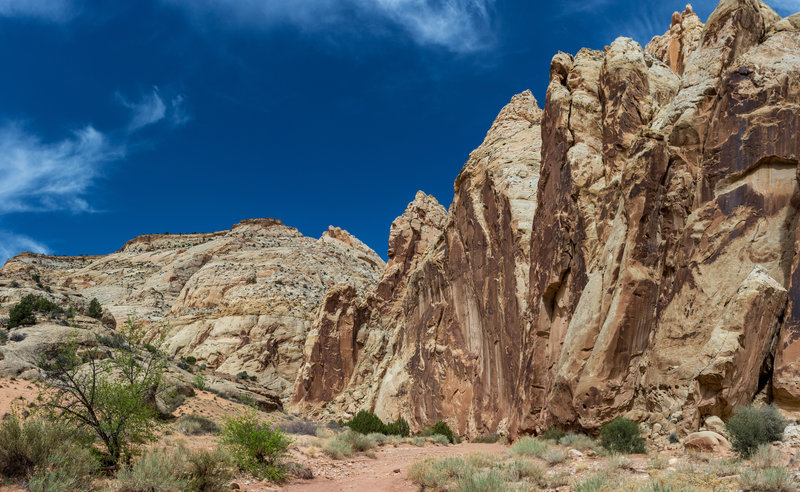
[146, 111]
[47, 10]
[12, 244]
[38, 176]
[457, 25]
[151, 108]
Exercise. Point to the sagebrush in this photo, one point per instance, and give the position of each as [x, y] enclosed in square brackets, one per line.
[750, 427]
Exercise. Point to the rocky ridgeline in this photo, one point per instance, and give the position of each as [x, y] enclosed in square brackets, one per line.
[239, 300]
[631, 249]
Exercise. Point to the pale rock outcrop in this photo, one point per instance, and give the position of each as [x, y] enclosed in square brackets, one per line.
[238, 300]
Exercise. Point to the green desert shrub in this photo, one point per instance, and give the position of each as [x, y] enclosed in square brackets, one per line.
[487, 439]
[528, 446]
[398, 428]
[346, 444]
[552, 434]
[765, 457]
[359, 442]
[366, 423]
[22, 313]
[195, 425]
[750, 427]
[95, 309]
[68, 468]
[520, 469]
[443, 429]
[485, 481]
[337, 448]
[438, 474]
[115, 340]
[26, 445]
[199, 381]
[622, 435]
[657, 462]
[594, 483]
[378, 438]
[418, 440]
[300, 426]
[440, 439]
[554, 456]
[256, 446]
[48, 455]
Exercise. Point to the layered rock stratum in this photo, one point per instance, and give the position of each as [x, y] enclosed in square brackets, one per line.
[631, 248]
[241, 300]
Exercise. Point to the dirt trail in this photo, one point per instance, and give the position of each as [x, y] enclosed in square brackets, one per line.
[386, 472]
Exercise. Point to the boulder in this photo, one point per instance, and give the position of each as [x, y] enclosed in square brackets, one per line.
[715, 424]
[706, 441]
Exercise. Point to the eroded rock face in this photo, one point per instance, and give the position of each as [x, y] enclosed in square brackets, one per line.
[677, 44]
[631, 249]
[355, 336]
[238, 300]
[440, 335]
[660, 291]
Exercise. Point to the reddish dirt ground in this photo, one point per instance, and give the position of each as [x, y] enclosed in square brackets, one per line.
[386, 472]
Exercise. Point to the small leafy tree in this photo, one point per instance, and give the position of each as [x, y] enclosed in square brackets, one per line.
[256, 446]
[113, 399]
[95, 309]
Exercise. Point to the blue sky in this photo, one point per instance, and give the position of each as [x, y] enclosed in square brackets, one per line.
[123, 118]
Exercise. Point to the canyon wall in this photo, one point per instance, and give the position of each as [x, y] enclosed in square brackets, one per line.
[237, 300]
[629, 249]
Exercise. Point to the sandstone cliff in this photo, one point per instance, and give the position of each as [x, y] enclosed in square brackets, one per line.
[238, 300]
[448, 307]
[630, 249]
[663, 252]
